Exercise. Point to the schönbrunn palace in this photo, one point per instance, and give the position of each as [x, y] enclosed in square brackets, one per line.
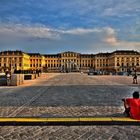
[117, 61]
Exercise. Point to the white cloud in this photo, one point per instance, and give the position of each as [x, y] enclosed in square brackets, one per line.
[82, 31]
[28, 31]
[50, 33]
[111, 40]
[79, 31]
[78, 39]
[121, 44]
[110, 31]
[120, 9]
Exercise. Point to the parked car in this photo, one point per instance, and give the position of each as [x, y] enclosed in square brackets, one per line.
[92, 73]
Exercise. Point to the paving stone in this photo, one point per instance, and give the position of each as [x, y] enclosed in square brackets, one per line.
[68, 95]
[1, 138]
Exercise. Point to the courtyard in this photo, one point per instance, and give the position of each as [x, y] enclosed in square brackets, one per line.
[68, 95]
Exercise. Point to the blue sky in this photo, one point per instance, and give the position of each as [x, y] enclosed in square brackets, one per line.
[85, 26]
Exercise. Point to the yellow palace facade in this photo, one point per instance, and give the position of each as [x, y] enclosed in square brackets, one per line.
[117, 61]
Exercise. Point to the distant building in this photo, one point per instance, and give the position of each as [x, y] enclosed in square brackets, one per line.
[37, 61]
[14, 60]
[117, 61]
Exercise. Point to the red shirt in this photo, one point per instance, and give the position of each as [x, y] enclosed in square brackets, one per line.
[134, 105]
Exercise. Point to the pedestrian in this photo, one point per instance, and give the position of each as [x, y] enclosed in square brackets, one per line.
[135, 79]
[132, 106]
[8, 79]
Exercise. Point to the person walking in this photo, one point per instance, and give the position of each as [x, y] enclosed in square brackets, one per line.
[135, 81]
[8, 79]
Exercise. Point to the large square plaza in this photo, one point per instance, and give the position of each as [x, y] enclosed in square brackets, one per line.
[69, 95]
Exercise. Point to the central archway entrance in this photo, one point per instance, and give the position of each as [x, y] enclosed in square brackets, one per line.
[69, 66]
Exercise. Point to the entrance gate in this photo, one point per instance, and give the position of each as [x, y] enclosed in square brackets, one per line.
[69, 66]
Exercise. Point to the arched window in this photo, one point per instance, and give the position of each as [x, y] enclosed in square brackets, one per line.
[118, 64]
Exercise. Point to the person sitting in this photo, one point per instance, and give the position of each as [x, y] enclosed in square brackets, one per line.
[132, 106]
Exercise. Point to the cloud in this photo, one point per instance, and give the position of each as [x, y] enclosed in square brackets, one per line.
[79, 31]
[43, 39]
[126, 8]
[39, 31]
[21, 31]
[127, 44]
[111, 40]
[82, 31]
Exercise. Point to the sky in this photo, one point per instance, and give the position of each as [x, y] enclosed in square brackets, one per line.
[83, 26]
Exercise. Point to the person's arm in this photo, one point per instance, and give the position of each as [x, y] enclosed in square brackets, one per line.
[126, 102]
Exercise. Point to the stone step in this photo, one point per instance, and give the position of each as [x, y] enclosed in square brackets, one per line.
[69, 121]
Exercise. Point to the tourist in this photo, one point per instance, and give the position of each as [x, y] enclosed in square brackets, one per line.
[8, 79]
[135, 79]
[132, 106]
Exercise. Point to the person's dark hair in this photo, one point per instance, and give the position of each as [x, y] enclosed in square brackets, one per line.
[136, 94]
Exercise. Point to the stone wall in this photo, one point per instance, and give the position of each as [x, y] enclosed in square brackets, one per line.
[17, 79]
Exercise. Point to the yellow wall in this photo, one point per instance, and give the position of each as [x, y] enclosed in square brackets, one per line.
[10, 60]
[25, 62]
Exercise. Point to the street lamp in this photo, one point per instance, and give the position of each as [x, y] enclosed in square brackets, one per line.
[12, 65]
[69, 62]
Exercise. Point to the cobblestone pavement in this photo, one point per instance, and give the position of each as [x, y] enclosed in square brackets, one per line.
[70, 133]
[72, 94]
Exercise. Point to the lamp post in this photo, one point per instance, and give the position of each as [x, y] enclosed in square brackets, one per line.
[69, 62]
[12, 65]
